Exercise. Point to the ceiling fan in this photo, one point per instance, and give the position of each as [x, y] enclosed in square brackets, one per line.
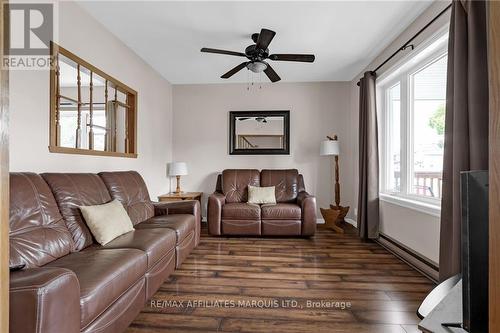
[257, 53]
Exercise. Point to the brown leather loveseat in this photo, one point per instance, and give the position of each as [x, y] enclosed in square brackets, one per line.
[294, 213]
[72, 284]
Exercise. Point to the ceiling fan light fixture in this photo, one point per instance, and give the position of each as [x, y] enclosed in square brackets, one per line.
[257, 54]
[257, 66]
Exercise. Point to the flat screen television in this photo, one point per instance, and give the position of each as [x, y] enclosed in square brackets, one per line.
[474, 186]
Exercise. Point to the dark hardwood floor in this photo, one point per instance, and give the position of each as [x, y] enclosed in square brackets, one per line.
[277, 285]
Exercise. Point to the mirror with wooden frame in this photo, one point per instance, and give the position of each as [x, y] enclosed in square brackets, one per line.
[90, 112]
[259, 132]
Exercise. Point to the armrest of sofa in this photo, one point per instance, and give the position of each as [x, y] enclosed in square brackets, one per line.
[214, 212]
[307, 203]
[177, 207]
[44, 299]
[181, 207]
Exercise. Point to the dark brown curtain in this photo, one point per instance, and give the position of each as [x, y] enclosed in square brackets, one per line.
[466, 123]
[368, 204]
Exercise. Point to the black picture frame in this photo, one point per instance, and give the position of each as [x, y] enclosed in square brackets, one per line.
[286, 130]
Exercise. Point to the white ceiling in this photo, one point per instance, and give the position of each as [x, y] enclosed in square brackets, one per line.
[345, 36]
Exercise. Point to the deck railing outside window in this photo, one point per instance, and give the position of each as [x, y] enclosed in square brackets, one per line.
[425, 183]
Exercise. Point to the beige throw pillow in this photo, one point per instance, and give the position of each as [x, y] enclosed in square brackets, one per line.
[108, 221]
[261, 195]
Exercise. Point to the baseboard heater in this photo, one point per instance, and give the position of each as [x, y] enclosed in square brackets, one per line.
[415, 260]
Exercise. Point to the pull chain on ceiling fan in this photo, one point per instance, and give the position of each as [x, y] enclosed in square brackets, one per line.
[257, 53]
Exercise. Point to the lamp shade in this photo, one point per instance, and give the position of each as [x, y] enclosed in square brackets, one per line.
[177, 169]
[329, 147]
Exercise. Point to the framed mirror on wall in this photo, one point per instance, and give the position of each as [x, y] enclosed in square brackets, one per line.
[91, 112]
[259, 132]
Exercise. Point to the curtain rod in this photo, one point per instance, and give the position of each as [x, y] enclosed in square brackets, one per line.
[407, 44]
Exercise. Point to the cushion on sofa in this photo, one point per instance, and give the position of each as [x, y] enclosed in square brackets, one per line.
[285, 181]
[241, 211]
[281, 211]
[107, 221]
[236, 181]
[104, 275]
[72, 190]
[37, 232]
[155, 242]
[130, 189]
[261, 195]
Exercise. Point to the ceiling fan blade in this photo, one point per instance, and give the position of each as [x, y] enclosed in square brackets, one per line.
[234, 71]
[271, 74]
[265, 37]
[209, 50]
[293, 57]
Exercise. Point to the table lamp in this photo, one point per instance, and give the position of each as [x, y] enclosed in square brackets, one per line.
[177, 169]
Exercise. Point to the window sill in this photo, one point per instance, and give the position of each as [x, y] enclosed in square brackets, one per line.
[423, 207]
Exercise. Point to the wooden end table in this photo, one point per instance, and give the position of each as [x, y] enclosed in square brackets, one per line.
[181, 196]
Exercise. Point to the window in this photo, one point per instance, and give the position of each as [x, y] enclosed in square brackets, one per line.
[412, 100]
[394, 138]
[428, 99]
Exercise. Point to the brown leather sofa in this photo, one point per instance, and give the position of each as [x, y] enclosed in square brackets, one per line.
[72, 284]
[294, 214]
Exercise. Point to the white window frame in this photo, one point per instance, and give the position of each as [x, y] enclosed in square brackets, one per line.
[402, 73]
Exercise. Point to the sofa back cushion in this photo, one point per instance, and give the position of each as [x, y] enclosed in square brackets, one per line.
[72, 190]
[38, 234]
[129, 188]
[286, 183]
[235, 183]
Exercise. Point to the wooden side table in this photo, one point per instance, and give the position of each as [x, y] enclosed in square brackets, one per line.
[181, 196]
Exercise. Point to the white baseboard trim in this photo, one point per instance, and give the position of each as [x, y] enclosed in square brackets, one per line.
[348, 220]
[412, 258]
[352, 222]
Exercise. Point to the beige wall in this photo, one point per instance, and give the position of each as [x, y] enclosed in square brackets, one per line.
[417, 230]
[29, 98]
[200, 134]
